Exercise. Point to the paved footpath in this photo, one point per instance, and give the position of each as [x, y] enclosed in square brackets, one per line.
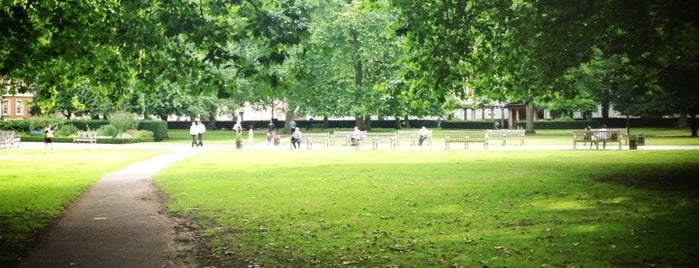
[118, 222]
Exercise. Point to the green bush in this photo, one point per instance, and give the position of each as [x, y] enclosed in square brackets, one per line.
[92, 124]
[141, 134]
[159, 129]
[16, 125]
[39, 122]
[107, 130]
[123, 121]
[67, 130]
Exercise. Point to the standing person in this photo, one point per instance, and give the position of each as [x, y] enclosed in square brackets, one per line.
[200, 132]
[355, 136]
[296, 138]
[292, 126]
[424, 134]
[48, 137]
[193, 132]
[250, 136]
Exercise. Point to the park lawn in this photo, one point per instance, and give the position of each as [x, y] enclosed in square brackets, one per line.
[35, 187]
[435, 208]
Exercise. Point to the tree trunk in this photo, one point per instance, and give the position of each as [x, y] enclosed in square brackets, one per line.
[367, 123]
[605, 111]
[211, 123]
[683, 122]
[397, 121]
[530, 117]
[359, 122]
[693, 124]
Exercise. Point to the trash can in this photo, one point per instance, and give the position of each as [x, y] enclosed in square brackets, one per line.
[276, 140]
[641, 139]
[633, 142]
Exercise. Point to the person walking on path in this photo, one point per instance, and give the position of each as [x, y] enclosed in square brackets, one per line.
[48, 138]
[200, 132]
[193, 132]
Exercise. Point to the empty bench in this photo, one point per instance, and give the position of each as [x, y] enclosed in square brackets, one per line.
[9, 139]
[506, 134]
[465, 137]
[310, 138]
[85, 136]
[382, 137]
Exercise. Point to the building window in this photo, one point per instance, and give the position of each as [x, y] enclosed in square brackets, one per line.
[5, 107]
[19, 108]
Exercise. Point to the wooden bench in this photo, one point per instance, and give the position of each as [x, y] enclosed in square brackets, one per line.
[465, 137]
[85, 136]
[505, 135]
[346, 136]
[310, 138]
[9, 139]
[596, 136]
[412, 136]
[382, 137]
[583, 136]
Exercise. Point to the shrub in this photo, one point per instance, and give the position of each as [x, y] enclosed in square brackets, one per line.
[123, 121]
[159, 129]
[39, 122]
[92, 124]
[107, 130]
[141, 134]
[67, 130]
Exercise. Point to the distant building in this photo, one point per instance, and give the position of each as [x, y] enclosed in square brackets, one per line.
[14, 106]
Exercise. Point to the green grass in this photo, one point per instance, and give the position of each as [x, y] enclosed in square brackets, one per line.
[35, 187]
[442, 208]
[395, 208]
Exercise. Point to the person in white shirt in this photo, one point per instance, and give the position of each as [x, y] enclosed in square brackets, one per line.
[193, 132]
[200, 129]
[356, 136]
[424, 134]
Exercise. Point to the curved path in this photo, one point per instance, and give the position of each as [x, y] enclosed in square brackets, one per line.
[119, 222]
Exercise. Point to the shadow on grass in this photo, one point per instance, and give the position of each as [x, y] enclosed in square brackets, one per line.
[682, 179]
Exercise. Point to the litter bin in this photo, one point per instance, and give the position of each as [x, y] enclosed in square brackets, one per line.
[633, 142]
[239, 143]
[641, 139]
[276, 140]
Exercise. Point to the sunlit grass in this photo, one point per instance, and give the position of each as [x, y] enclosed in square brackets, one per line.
[441, 208]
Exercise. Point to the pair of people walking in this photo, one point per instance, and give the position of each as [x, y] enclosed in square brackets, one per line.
[197, 131]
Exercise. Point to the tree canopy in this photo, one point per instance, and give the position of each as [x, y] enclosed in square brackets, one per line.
[351, 57]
